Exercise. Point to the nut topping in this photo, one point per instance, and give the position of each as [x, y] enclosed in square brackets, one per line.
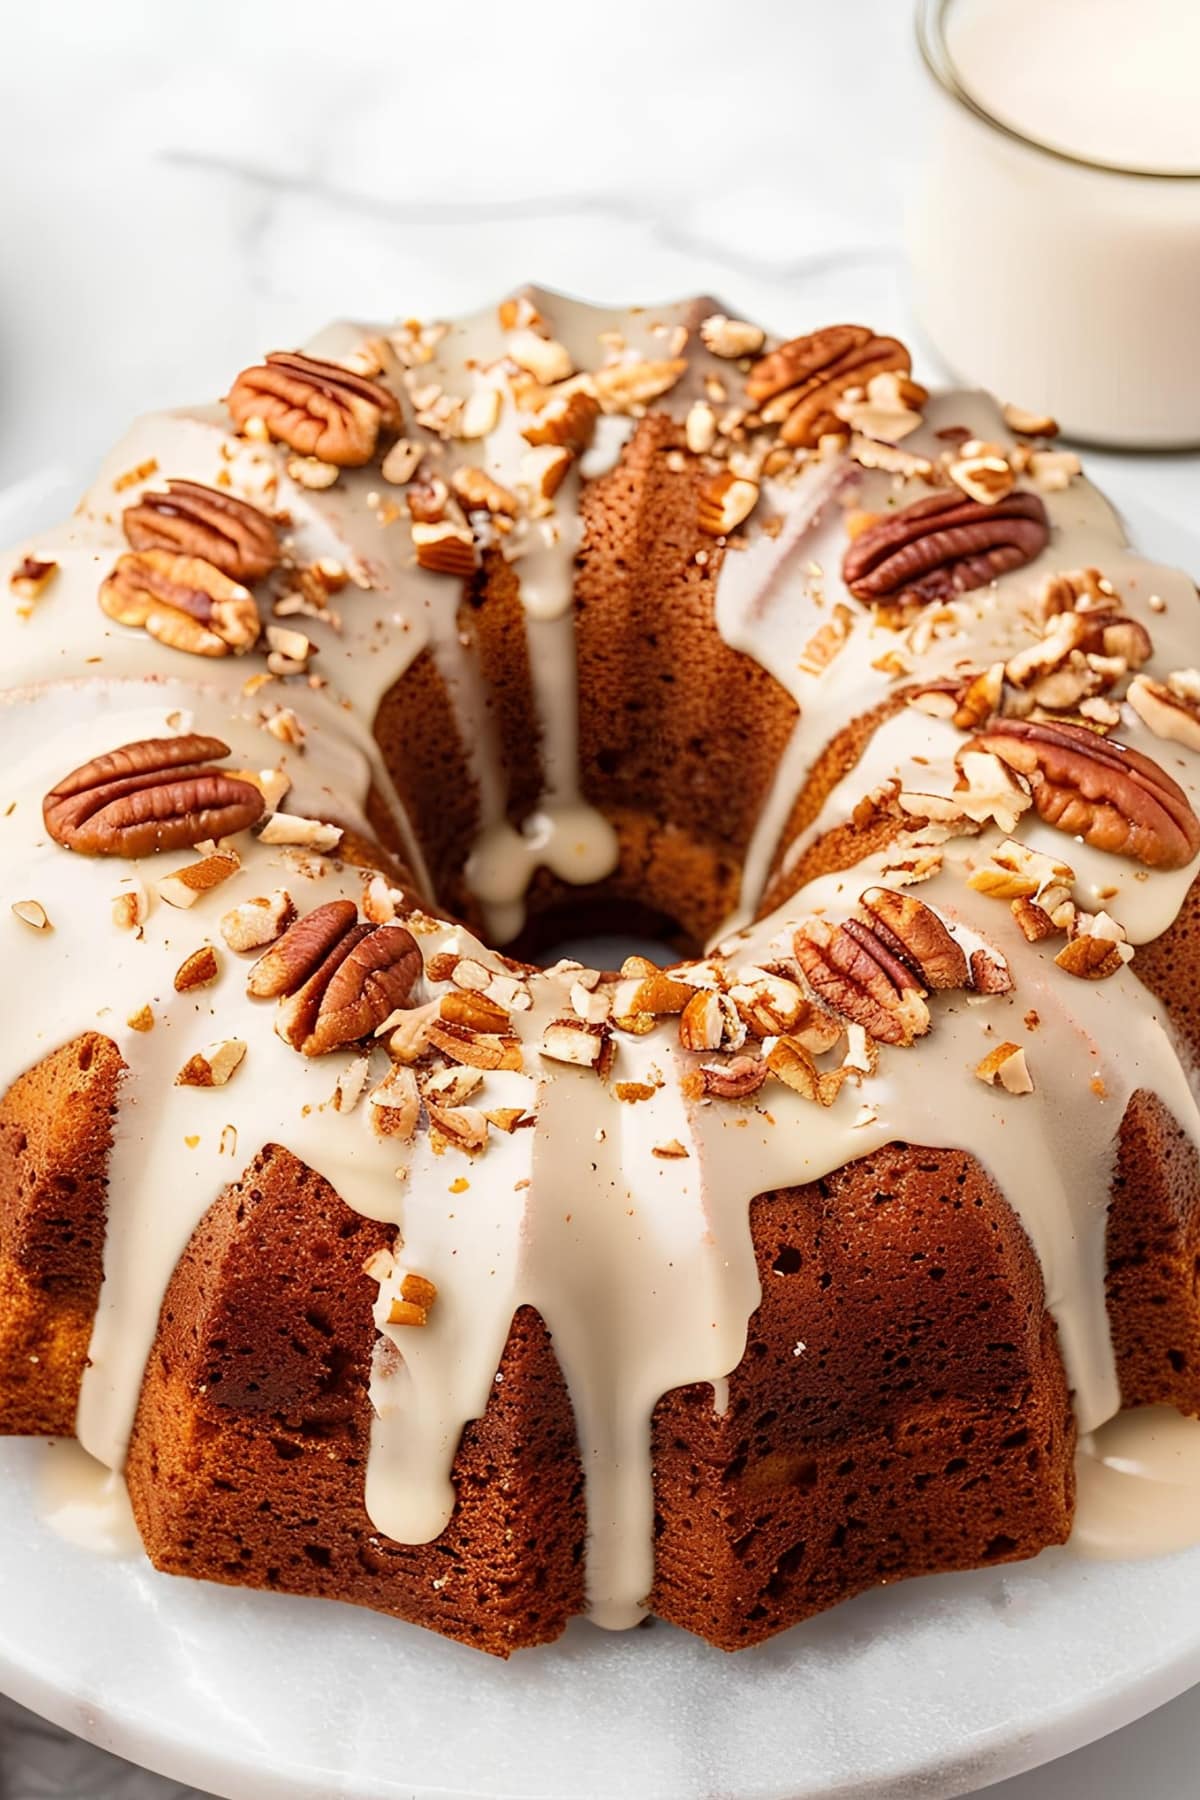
[198, 970]
[32, 912]
[852, 972]
[917, 935]
[736, 1079]
[213, 1066]
[156, 794]
[469, 1028]
[258, 922]
[623, 387]
[31, 577]
[944, 545]
[367, 975]
[1114, 798]
[567, 421]
[318, 408]
[1006, 1066]
[1091, 958]
[730, 337]
[725, 502]
[194, 520]
[182, 601]
[575, 1041]
[801, 382]
[301, 950]
[1171, 710]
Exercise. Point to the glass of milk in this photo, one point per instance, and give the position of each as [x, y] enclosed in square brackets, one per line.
[1055, 230]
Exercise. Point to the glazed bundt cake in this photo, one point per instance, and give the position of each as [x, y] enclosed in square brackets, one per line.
[393, 1267]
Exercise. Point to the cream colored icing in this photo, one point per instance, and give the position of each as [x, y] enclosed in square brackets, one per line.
[642, 1266]
[1139, 1485]
[85, 1502]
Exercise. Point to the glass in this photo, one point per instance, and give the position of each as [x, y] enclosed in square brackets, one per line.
[1066, 284]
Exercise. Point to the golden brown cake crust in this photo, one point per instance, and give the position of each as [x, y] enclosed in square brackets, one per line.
[56, 1126]
[674, 724]
[1153, 1285]
[415, 730]
[901, 1406]
[249, 1451]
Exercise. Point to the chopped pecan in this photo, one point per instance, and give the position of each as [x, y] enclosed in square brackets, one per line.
[1006, 1066]
[194, 520]
[792, 1063]
[182, 601]
[736, 1079]
[711, 1021]
[200, 969]
[854, 974]
[368, 974]
[32, 912]
[318, 408]
[990, 973]
[470, 1028]
[459, 1127]
[183, 887]
[724, 503]
[917, 935]
[31, 577]
[1114, 798]
[575, 1041]
[156, 794]
[1091, 958]
[1170, 710]
[567, 420]
[212, 1066]
[944, 545]
[800, 383]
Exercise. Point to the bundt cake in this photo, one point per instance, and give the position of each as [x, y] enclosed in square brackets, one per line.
[394, 1266]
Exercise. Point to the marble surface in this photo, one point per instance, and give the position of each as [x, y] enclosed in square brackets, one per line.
[184, 187]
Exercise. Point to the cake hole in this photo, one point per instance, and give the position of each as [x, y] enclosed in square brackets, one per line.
[601, 932]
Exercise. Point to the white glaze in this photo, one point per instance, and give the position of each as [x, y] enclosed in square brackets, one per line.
[1139, 1485]
[86, 1502]
[642, 1266]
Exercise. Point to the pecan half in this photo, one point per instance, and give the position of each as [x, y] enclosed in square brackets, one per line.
[156, 794]
[368, 973]
[944, 545]
[287, 965]
[1112, 797]
[182, 601]
[318, 408]
[201, 521]
[851, 971]
[917, 935]
[800, 383]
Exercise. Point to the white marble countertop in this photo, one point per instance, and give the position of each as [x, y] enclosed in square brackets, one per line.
[187, 186]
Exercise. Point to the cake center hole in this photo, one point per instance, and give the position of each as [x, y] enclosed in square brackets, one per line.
[601, 935]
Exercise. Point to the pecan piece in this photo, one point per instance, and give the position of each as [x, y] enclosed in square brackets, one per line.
[854, 974]
[156, 794]
[944, 545]
[1113, 797]
[301, 950]
[195, 520]
[1171, 710]
[318, 408]
[183, 601]
[917, 935]
[369, 973]
[801, 382]
[736, 1079]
